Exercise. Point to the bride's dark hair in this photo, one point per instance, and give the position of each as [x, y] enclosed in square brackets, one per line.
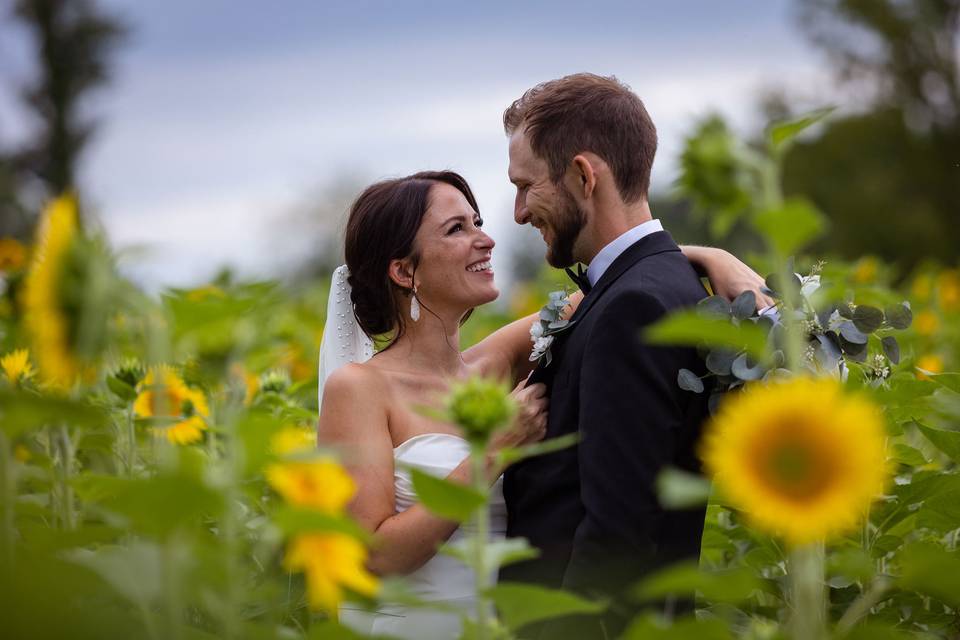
[382, 226]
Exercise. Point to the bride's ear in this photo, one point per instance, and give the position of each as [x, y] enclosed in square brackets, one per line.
[401, 272]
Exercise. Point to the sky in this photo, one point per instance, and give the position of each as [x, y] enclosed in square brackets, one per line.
[229, 125]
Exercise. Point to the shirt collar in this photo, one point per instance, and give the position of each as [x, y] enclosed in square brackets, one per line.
[621, 243]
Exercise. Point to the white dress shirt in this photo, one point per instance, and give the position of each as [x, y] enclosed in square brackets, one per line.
[621, 243]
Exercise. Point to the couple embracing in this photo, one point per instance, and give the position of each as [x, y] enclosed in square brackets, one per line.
[417, 263]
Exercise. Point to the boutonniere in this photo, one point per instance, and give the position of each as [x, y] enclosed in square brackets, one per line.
[548, 325]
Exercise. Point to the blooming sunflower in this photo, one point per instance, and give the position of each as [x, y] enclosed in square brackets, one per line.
[330, 561]
[13, 255]
[320, 484]
[16, 365]
[801, 458]
[47, 318]
[165, 395]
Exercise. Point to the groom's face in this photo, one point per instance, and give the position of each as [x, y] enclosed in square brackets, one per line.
[543, 204]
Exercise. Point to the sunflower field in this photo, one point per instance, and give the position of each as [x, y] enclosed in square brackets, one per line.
[159, 476]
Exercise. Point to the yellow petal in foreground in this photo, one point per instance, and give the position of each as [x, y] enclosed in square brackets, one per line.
[802, 458]
[317, 484]
[331, 562]
[293, 439]
[16, 365]
[46, 320]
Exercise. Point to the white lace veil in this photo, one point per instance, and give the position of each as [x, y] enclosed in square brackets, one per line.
[343, 340]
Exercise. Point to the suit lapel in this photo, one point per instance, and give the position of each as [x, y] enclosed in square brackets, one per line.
[657, 242]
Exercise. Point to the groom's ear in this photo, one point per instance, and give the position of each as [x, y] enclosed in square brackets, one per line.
[401, 272]
[584, 175]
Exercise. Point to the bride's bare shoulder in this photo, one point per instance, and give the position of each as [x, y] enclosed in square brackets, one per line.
[356, 384]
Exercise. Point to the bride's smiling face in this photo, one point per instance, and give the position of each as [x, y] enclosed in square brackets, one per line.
[454, 269]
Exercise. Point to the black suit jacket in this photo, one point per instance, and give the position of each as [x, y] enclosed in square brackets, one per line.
[592, 509]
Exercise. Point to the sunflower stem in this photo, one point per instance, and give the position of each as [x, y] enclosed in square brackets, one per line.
[64, 446]
[481, 574]
[808, 593]
[131, 443]
[7, 498]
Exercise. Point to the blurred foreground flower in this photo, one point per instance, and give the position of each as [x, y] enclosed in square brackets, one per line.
[13, 255]
[320, 484]
[801, 458]
[948, 289]
[480, 407]
[16, 365]
[293, 439]
[165, 395]
[47, 311]
[330, 561]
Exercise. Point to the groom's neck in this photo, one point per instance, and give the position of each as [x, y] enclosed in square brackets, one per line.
[609, 222]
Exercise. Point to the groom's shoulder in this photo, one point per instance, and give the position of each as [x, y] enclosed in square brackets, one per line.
[667, 277]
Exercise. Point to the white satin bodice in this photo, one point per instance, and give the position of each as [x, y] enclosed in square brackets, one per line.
[442, 577]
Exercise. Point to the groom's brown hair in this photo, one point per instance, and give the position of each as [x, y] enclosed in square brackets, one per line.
[587, 112]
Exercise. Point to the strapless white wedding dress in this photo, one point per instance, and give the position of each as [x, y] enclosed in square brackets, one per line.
[443, 579]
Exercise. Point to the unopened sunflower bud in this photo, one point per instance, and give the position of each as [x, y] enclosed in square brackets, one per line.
[480, 407]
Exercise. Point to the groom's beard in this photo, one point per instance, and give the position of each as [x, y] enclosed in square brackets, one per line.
[567, 223]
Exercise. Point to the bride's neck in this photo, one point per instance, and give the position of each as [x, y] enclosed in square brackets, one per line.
[431, 345]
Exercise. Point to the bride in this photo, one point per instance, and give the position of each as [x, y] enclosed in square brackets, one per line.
[418, 262]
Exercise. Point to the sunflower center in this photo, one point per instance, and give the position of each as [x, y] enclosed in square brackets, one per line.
[798, 470]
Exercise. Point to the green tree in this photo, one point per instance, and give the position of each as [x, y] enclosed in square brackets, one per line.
[74, 39]
[887, 176]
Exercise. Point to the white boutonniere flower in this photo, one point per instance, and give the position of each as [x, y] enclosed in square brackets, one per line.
[550, 322]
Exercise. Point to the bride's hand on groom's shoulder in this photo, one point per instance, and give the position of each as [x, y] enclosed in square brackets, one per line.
[729, 277]
[530, 422]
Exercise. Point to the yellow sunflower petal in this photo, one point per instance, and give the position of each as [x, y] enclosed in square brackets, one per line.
[318, 484]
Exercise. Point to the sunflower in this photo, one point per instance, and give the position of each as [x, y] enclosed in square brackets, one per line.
[46, 316]
[16, 365]
[293, 439]
[926, 323]
[948, 289]
[801, 458]
[331, 561]
[320, 484]
[13, 255]
[866, 270]
[165, 395]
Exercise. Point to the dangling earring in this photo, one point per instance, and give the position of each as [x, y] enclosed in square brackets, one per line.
[414, 306]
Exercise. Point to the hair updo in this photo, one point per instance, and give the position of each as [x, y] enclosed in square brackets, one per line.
[382, 226]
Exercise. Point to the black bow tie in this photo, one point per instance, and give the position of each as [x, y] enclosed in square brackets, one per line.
[579, 277]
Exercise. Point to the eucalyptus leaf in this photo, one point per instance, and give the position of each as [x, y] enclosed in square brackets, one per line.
[852, 334]
[899, 316]
[447, 499]
[867, 319]
[718, 361]
[746, 369]
[744, 305]
[715, 305]
[891, 348]
[689, 381]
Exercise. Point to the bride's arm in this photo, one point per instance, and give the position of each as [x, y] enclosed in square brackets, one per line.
[354, 420]
[511, 345]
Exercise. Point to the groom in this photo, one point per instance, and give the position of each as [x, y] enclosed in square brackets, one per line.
[581, 149]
